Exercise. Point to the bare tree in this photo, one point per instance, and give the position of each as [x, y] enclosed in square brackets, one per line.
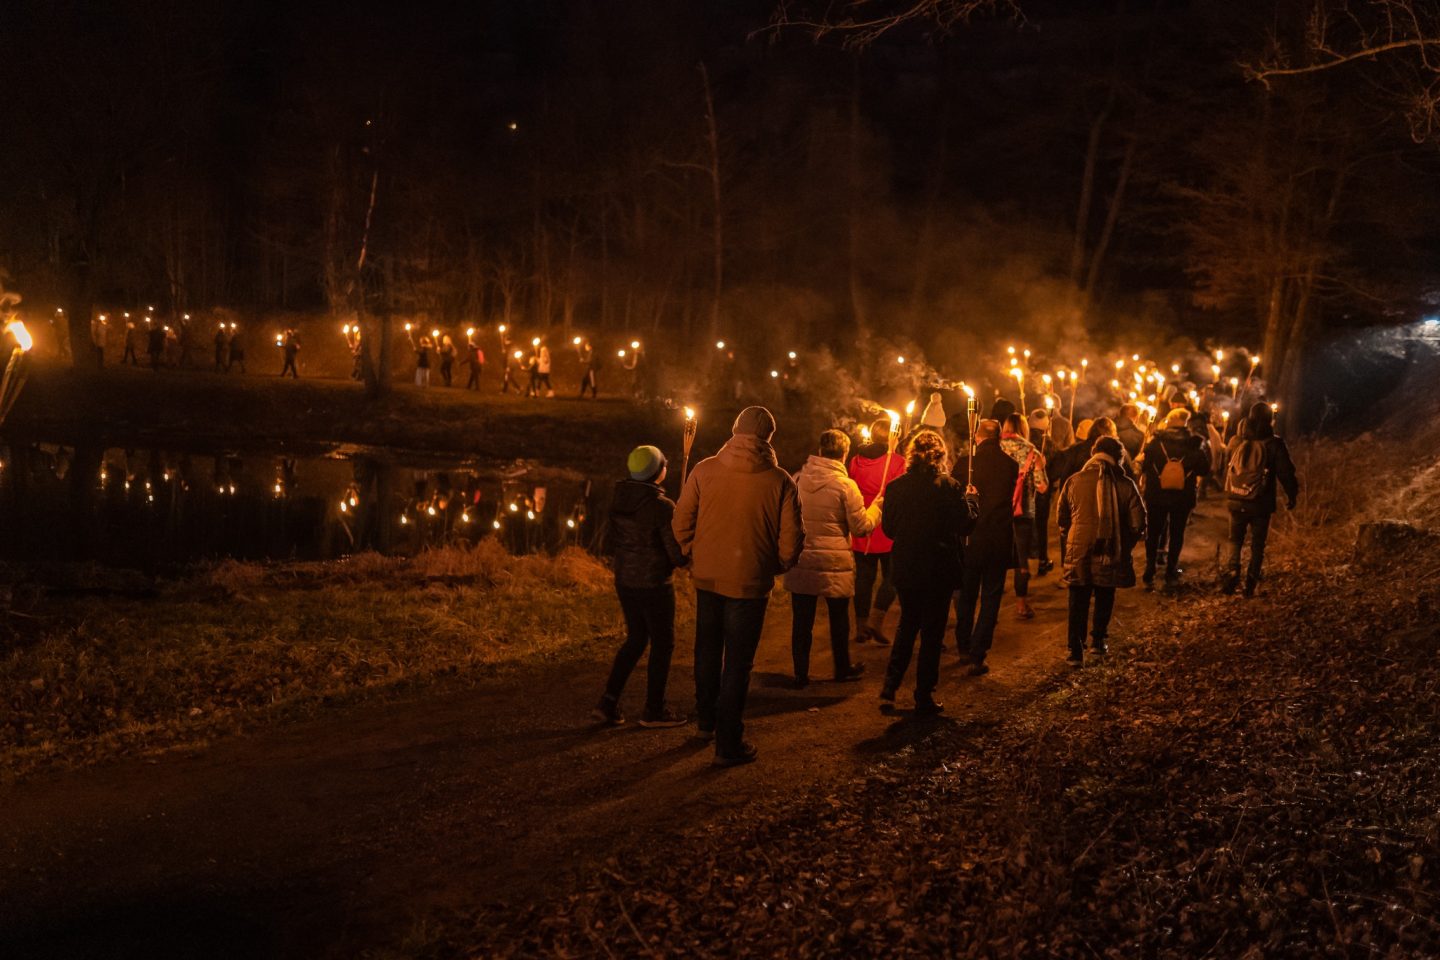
[861, 22]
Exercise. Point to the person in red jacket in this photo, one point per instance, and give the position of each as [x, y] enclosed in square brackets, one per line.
[872, 468]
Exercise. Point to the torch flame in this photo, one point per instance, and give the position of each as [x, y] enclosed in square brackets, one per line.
[894, 419]
[910, 408]
[689, 413]
[17, 330]
[969, 390]
[719, 344]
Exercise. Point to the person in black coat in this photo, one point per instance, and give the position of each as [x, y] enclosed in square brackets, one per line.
[645, 554]
[989, 551]
[1250, 512]
[1174, 461]
[928, 515]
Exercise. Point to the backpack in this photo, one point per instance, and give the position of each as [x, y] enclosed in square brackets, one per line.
[1172, 475]
[1248, 471]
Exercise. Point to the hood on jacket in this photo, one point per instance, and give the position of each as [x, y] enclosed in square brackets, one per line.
[747, 453]
[873, 451]
[631, 495]
[818, 473]
[1175, 434]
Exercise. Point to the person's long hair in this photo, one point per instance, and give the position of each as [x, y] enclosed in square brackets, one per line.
[926, 452]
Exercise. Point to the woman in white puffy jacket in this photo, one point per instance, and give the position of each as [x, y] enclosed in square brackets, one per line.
[833, 511]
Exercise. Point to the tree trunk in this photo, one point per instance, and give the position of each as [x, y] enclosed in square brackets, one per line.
[857, 305]
[717, 212]
[1112, 216]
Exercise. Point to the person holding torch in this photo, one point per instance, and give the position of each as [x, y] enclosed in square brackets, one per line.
[872, 467]
[990, 549]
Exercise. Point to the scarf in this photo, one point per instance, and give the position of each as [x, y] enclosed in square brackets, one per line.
[1107, 506]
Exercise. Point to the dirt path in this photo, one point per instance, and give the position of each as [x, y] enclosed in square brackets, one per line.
[328, 836]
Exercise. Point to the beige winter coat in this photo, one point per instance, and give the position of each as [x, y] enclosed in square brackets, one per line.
[833, 511]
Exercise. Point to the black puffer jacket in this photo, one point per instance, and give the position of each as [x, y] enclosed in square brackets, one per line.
[928, 516]
[640, 537]
[1174, 443]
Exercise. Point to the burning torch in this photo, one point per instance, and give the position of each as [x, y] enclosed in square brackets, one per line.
[18, 367]
[692, 424]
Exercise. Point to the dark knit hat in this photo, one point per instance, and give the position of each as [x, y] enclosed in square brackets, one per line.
[754, 422]
[1110, 447]
[645, 463]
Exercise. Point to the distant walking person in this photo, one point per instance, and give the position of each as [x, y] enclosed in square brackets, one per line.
[872, 468]
[738, 520]
[237, 350]
[1256, 463]
[447, 359]
[291, 346]
[642, 540]
[990, 550]
[591, 362]
[832, 510]
[132, 343]
[542, 372]
[475, 357]
[423, 349]
[511, 362]
[1101, 519]
[222, 347]
[928, 515]
[1015, 441]
[156, 346]
[1175, 460]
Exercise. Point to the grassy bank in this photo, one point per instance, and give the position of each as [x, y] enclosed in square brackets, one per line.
[89, 677]
[1242, 779]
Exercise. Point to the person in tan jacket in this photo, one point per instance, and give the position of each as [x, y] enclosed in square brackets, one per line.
[738, 520]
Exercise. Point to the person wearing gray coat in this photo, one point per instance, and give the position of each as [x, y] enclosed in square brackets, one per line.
[1101, 519]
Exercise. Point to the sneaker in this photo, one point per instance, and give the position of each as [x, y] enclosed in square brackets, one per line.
[1075, 660]
[607, 711]
[1023, 610]
[856, 671]
[887, 694]
[929, 708]
[1172, 580]
[664, 717]
[747, 754]
[879, 639]
[1045, 567]
[978, 669]
[965, 658]
[799, 683]
[1098, 648]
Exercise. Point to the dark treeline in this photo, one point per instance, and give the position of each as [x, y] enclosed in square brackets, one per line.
[679, 169]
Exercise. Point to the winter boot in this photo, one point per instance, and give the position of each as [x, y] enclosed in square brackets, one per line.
[875, 626]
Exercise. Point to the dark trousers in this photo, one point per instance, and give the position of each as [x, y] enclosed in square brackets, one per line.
[446, 371]
[867, 566]
[219, 359]
[1042, 526]
[1024, 540]
[727, 631]
[289, 367]
[130, 357]
[802, 632]
[543, 380]
[1165, 524]
[1080, 613]
[474, 382]
[982, 585]
[587, 382]
[1258, 526]
[649, 621]
[922, 612]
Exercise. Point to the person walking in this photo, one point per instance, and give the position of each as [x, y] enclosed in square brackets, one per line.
[132, 343]
[155, 337]
[590, 360]
[542, 372]
[237, 350]
[738, 520]
[1174, 461]
[1257, 465]
[832, 511]
[872, 468]
[1101, 519]
[222, 347]
[990, 550]
[475, 358]
[532, 366]
[1040, 422]
[447, 359]
[423, 348]
[642, 541]
[292, 350]
[1129, 432]
[928, 515]
[511, 361]
[1015, 441]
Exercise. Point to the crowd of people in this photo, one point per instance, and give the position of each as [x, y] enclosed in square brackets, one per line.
[936, 518]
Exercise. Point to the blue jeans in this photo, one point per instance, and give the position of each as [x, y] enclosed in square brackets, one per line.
[727, 632]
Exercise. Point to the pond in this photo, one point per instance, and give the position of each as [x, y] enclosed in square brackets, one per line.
[153, 508]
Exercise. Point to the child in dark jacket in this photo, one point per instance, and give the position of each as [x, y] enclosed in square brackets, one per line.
[645, 553]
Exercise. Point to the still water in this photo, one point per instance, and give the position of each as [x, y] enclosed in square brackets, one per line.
[154, 508]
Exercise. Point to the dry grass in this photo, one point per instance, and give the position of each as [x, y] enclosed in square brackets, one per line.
[243, 642]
